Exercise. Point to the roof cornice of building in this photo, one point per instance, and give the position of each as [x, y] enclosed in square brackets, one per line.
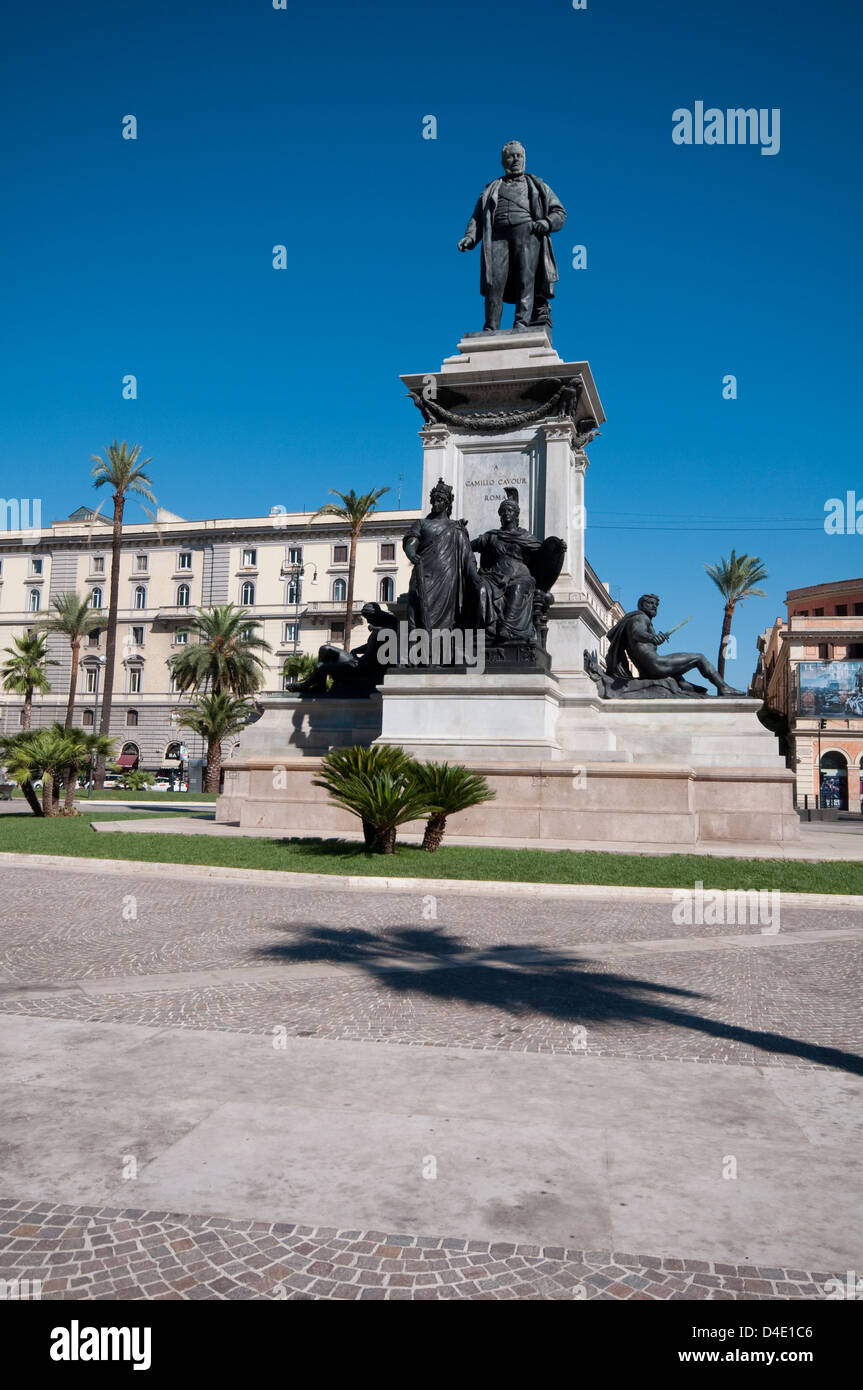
[838, 586]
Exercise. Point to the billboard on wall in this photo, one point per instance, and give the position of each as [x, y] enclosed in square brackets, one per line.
[830, 689]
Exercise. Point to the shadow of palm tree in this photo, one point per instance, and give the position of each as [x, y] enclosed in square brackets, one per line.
[525, 979]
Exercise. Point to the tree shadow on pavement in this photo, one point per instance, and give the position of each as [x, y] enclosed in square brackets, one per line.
[526, 979]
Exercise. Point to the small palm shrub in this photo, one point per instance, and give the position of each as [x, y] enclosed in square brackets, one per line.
[447, 789]
[386, 788]
[375, 784]
[134, 779]
[299, 667]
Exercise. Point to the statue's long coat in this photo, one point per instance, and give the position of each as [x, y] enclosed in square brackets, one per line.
[543, 204]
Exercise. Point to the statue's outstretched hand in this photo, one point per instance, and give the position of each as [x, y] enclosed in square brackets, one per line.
[466, 244]
[663, 637]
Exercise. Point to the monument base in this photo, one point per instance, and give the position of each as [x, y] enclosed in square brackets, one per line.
[566, 767]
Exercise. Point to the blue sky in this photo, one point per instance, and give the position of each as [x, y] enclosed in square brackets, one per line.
[304, 127]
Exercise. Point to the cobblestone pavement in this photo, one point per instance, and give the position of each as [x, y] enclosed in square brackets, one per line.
[588, 978]
[91, 1253]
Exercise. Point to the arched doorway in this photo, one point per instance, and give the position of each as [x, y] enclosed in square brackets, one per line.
[834, 782]
[129, 756]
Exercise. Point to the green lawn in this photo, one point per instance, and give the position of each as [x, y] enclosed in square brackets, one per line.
[118, 794]
[29, 835]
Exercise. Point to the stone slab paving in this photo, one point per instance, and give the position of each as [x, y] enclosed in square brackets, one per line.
[148, 961]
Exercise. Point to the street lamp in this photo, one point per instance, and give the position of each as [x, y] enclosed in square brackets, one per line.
[100, 662]
[822, 724]
[295, 571]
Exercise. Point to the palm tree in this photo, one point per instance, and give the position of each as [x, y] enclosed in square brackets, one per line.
[24, 672]
[735, 579]
[341, 765]
[215, 717]
[382, 800]
[123, 471]
[74, 619]
[54, 754]
[355, 511]
[447, 790]
[225, 658]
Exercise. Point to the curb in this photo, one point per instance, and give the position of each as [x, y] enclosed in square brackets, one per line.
[367, 883]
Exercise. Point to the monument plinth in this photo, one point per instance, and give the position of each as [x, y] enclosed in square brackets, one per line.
[507, 411]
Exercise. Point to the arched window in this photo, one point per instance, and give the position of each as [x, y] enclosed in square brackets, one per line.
[140, 596]
[96, 598]
[340, 591]
[130, 750]
[387, 590]
[131, 720]
[35, 601]
[834, 781]
[247, 594]
[184, 594]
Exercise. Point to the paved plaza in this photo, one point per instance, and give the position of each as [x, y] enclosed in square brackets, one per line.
[241, 1089]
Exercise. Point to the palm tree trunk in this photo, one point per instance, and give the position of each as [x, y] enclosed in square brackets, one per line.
[29, 792]
[73, 682]
[434, 832]
[111, 634]
[28, 709]
[69, 798]
[214, 765]
[49, 803]
[384, 841]
[726, 630]
[349, 605]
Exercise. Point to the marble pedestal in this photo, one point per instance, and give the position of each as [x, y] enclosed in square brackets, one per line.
[566, 767]
[486, 429]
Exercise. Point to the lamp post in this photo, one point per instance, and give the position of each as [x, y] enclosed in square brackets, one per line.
[822, 724]
[100, 663]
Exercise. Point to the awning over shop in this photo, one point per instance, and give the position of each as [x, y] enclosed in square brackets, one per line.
[127, 760]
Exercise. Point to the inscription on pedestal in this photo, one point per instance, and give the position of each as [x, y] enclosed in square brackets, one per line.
[484, 477]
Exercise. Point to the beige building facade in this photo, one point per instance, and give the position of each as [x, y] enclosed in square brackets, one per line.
[289, 570]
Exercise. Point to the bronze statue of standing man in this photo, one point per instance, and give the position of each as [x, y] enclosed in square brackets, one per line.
[514, 219]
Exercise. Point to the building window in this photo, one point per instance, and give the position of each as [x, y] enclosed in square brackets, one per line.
[181, 638]
[37, 567]
[340, 554]
[842, 610]
[825, 651]
[858, 610]
[387, 590]
[131, 719]
[96, 598]
[340, 591]
[818, 612]
[35, 601]
[184, 594]
[21, 718]
[854, 651]
[137, 637]
[135, 681]
[295, 554]
[185, 560]
[140, 597]
[87, 719]
[388, 550]
[97, 564]
[92, 680]
[292, 632]
[140, 563]
[247, 631]
[247, 593]
[337, 632]
[94, 639]
[295, 591]
[250, 559]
